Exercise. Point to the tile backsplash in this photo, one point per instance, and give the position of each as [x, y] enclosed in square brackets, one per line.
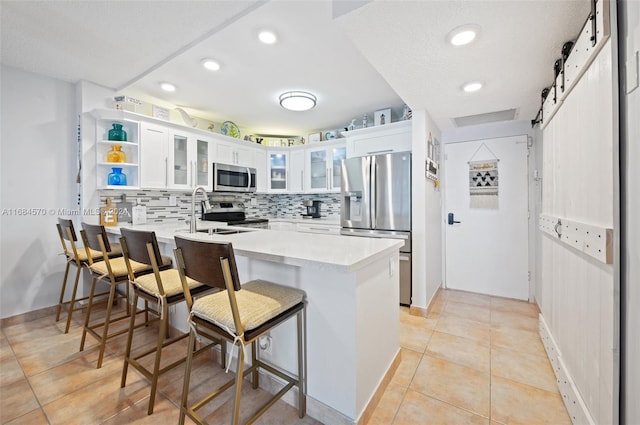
[159, 208]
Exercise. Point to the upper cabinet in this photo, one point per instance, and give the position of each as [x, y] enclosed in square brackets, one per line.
[233, 153]
[164, 155]
[117, 152]
[154, 140]
[188, 161]
[278, 170]
[297, 171]
[260, 163]
[388, 138]
[322, 164]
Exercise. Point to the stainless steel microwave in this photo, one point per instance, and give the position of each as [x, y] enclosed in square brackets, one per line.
[233, 178]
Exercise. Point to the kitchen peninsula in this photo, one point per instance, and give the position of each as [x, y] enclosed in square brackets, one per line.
[352, 312]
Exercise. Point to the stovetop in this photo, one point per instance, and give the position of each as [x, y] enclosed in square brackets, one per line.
[231, 213]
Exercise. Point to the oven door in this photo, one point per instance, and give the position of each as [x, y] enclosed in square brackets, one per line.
[231, 178]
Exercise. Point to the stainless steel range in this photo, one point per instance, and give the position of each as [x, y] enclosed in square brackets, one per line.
[231, 213]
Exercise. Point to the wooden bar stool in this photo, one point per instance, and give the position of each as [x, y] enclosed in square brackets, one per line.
[114, 272]
[163, 288]
[76, 255]
[239, 315]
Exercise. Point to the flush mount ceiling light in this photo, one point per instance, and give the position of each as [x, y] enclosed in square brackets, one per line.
[267, 37]
[471, 87]
[297, 100]
[210, 64]
[464, 34]
[168, 87]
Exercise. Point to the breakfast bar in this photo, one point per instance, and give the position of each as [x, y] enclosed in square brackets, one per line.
[352, 328]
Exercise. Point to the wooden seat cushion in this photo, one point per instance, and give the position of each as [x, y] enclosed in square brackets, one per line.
[258, 302]
[119, 267]
[170, 283]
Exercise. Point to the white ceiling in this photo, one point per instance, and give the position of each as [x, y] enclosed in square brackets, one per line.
[382, 54]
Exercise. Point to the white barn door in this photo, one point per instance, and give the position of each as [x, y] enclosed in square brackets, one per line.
[487, 237]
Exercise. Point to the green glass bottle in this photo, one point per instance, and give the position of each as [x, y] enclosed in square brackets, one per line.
[117, 133]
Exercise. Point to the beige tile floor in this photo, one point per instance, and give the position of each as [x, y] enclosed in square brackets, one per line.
[474, 360]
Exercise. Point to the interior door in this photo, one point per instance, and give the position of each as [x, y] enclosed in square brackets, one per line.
[487, 242]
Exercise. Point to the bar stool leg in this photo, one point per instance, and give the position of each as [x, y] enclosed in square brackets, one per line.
[238, 390]
[72, 302]
[127, 353]
[223, 354]
[64, 287]
[255, 376]
[156, 365]
[88, 314]
[302, 400]
[187, 376]
[107, 319]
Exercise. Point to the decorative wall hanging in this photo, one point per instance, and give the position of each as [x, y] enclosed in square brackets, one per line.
[483, 184]
[433, 156]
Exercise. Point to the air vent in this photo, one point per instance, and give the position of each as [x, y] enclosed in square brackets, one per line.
[506, 115]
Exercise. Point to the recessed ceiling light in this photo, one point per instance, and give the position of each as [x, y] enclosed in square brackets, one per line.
[211, 64]
[168, 87]
[464, 34]
[471, 87]
[297, 100]
[267, 37]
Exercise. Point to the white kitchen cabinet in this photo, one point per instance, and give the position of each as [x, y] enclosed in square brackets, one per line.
[260, 164]
[154, 140]
[297, 171]
[278, 170]
[378, 140]
[327, 229]
[131, 148]
[323, 168]
[233, 153]
[188, 161]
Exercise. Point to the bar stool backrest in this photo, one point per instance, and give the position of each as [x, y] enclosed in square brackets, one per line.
[136, 244]
[201, 261]
[92, 231]
[70, 234]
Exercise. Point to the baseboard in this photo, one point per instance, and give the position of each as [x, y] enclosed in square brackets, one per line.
[418, 311]
[28, 316]
[377, 396]
[574, 403]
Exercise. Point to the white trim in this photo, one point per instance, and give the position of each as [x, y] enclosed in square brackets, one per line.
[576, 407]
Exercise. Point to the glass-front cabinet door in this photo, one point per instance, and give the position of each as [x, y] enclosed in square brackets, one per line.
[338, 153]
[188, 163]
[318, 167]
[278, 171]
[203, 175]
[323, 168]
[180, 167]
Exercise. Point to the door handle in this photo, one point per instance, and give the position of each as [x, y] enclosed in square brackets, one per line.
[450, 219]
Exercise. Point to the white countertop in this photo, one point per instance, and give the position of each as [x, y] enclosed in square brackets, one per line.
[346, 253]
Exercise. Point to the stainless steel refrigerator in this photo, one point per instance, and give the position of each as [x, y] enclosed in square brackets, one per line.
[376, 202]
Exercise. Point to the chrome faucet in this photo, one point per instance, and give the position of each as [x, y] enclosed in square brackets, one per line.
[192, 225]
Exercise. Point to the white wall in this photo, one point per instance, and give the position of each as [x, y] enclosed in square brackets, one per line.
[89, 97]
[426, 218]
[505, 129]
[630, 255]
[39, 157]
